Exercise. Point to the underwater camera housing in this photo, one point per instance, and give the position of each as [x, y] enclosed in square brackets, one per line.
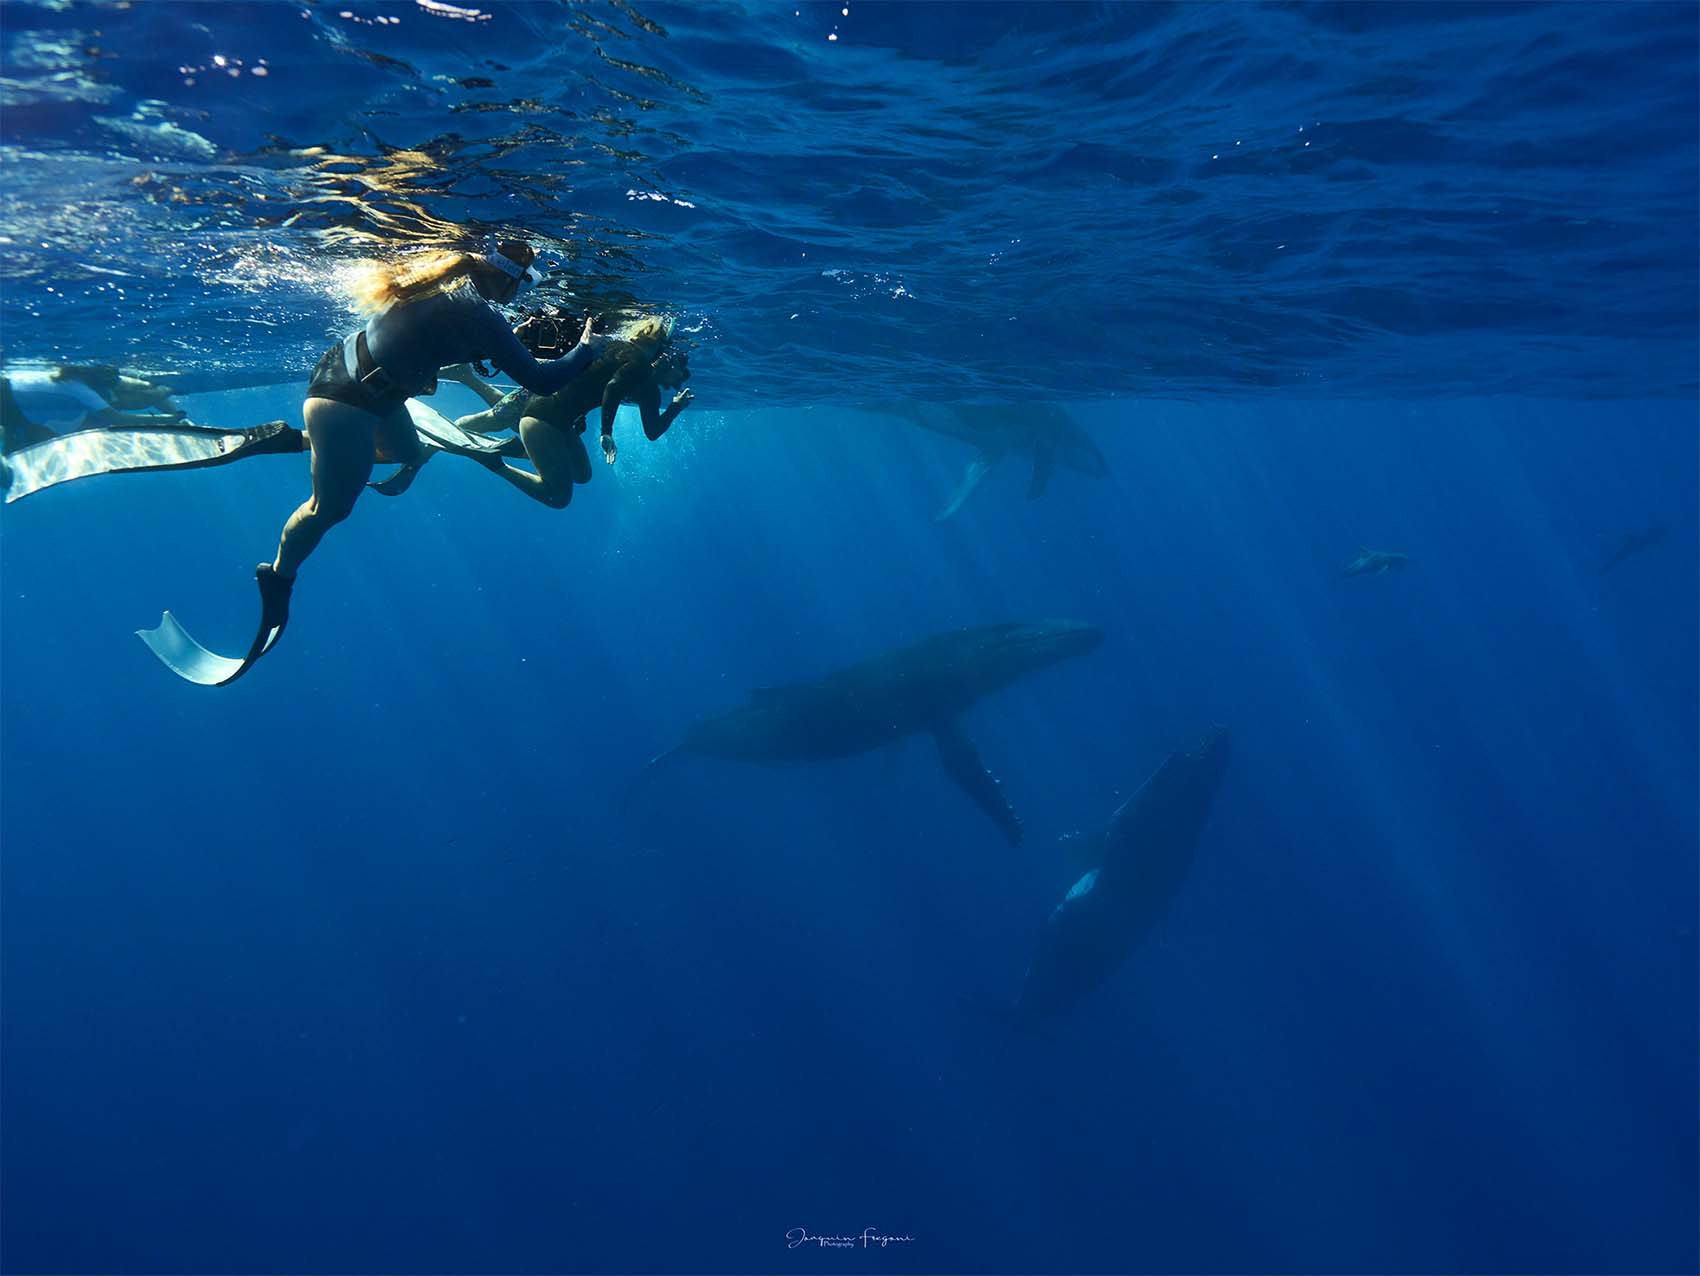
[549, 332]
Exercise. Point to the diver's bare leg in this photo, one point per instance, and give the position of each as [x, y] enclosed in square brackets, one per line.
[342, 441]
[551, 452]
[463, 373]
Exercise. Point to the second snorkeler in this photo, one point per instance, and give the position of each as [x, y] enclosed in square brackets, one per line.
[632, 366]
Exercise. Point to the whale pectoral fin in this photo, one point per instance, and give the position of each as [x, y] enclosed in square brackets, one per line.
[1044, 462]
[962, 760]
[977, 470]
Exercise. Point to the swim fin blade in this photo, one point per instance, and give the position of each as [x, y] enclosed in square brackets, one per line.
[179, 652]
[396, 483]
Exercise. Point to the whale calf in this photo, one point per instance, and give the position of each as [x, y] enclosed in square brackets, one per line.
[1632, 543]
[1135, 866]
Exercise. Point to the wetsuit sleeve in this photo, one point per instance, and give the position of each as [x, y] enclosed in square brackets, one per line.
[503, 349]
[620, 386]
[648, 401]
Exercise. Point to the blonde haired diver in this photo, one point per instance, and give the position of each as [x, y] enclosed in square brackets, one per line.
[631, 367]
[426, 314]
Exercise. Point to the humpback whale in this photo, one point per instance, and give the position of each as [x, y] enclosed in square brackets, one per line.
[920, 689]
[1633, 543]
[998, 429]
[1134, 866]
[1375, 562]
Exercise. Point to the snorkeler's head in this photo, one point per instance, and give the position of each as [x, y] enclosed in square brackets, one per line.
[512, 259]
[672, 369]
[653, 333]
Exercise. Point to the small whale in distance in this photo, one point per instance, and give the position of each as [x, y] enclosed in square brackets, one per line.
[1375, 562]
[1632, 543]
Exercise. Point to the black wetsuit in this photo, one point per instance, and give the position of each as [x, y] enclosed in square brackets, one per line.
[621, 373]
[397, 354]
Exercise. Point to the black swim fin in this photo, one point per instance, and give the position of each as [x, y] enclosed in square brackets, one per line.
[396, 483]
[185, 657]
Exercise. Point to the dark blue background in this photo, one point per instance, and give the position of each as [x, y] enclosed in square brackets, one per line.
[356, 966]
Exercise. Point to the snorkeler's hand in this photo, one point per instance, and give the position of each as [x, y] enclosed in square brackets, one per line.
[461, 372]
[609, 451]
[682, 400]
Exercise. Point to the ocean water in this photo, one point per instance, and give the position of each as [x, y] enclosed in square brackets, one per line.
[378, 961]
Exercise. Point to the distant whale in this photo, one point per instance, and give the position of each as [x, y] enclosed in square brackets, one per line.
[1135, 866]
[997, 430]
[920, 689]
[1633, 543]
[1375, 562]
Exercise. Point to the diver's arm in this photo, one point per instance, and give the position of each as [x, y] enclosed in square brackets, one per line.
[657, 422]
[611, 399]
[540, 378]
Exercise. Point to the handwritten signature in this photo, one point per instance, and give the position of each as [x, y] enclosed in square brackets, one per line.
[800, 1236]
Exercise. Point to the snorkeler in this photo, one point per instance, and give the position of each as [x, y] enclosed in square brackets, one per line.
[633, 367]
[37, 404]
[426, 314]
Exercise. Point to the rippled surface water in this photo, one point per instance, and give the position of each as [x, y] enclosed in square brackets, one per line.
[851, 200]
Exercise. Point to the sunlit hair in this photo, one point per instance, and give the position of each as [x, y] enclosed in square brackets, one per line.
[640, 331]
[374, 285]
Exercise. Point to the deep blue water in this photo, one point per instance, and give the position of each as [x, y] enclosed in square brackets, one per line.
[359, 964]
